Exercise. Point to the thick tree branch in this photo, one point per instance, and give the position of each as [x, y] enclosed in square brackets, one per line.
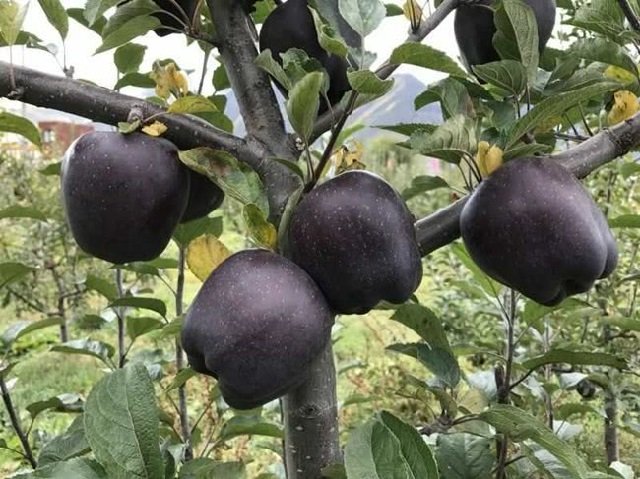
[251, 85]
[325, 122]
[442, 227]
[106, 106]
[257, 102]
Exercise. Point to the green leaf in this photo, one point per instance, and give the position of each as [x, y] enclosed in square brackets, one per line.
[88, 347]
[363, 16]
[600, 16]
[127, 12]
[121, 424]
[27, 39]
[453, 97]
[515, 20]
[69, 444]
[94, 9]
[181, 378]
[22, 328]
[192, 104]
[132, 29]
[16, 124]
[507, 75]
[12, 14]
[128, 58]
[440, 361]
[576, 358]
[303, 104]
[22, 212]
[424, 322]
[186, 232]
[235, 178]
[101, 286]
[422, 184]
[76, 468]
[139, 80]
[139, 326]
[408, 129]
[151, 304]
[12, 272]
[57, 15]
[267, 63]
[555, 106]
[263, 233]
[220, 78]
[520, 425]
[171, 330]
[52, 169]
[327, 37]
[205, 468]
[249, 426]
[625, 221]
[60, 403]
[367, 82]
[603, 51]
[421, 55]
[454, 138]
[463, 456]
[387, 448]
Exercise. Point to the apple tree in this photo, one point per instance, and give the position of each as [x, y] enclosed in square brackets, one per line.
[521, 123]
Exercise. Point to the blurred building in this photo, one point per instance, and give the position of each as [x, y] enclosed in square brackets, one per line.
[57, 129]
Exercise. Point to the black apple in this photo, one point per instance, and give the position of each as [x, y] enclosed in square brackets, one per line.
[355, 237]
[532, 226]
[474, 29]
[256, 325]
[123, 194]
[204, 197]
[291, 25]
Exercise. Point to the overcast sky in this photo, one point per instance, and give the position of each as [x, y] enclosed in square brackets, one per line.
[81, 43]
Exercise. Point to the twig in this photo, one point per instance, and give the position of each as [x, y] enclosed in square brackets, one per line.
[120, 313]
[326, 155]
[182, 390]
[15, 422]
[204, 70]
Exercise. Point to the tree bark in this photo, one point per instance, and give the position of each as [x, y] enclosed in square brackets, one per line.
[610, 426]
[311, 422]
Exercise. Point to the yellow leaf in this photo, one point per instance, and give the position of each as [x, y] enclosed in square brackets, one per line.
[619, 74]
[205, 254]
[155, 129]
[625, 105]
[346, 159]
[488, 158]
[169, 80]
[261, 231]
[413, 12]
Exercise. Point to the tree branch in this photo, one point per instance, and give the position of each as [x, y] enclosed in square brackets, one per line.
[325, 121]
[251, 85]
[630, 14]
[106, 106]
[442, 227]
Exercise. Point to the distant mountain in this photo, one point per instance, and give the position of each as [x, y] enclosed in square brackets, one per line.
[395, 107]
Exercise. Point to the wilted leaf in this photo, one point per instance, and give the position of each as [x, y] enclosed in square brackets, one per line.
[205, 254]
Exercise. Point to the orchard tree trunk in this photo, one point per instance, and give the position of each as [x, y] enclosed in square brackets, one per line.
[610, 426]
[311, 422]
